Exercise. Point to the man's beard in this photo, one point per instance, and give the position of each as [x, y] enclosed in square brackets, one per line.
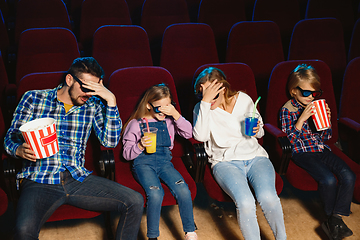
[76, 101]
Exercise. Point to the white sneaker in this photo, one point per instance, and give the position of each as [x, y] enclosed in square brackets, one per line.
[191, 236]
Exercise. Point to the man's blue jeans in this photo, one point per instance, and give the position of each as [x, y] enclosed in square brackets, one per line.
[38, 202]
[335, 192]
[234, 178]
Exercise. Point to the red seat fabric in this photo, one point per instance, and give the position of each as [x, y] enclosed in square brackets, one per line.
[278, 96]
[117, 47]
[3, 195]
[156, 16]
[40, 14]
[186, 47]
[341, 10]
[321, 38]
[3, 82]
[221, 15]
[349, 117]
[354, 48]
[285, 13]
[45, 50]
[95, 14]
[240, 77]
[3, 202]
[4, 39]
[127, 98]
[36, 81]
[261, 49]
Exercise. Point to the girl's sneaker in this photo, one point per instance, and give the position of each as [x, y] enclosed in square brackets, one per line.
[191, 236]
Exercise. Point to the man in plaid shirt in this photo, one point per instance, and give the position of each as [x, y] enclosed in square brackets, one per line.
[79, 104]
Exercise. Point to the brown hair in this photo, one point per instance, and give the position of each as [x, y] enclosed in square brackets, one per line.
[306, 73]
[85, 65]
[209, 75]
[153, 94]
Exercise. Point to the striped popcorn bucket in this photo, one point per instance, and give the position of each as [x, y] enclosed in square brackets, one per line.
[321, 119]
[40, 134]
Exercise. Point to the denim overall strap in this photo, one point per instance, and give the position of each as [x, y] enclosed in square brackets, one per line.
[162, 145]
[162, 135]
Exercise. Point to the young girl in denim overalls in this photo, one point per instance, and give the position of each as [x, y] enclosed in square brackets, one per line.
[149, 168]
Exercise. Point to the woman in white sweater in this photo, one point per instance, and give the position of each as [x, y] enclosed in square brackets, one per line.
[237, 160]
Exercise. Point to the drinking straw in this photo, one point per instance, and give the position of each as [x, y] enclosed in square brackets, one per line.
[147, 124]
[253, 116]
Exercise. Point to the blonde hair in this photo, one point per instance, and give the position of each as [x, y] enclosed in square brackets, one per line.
[154, 93]
[303, 72]
[209, 75]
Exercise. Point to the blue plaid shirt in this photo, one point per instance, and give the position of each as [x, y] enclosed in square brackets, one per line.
[73, 130]
[304, 140]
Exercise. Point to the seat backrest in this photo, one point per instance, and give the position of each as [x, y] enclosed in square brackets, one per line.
[40, 14]
[221, 15]
[3, 80]
[354, 48]
[278, 94]
[239, 75]
[39, 81]
[4, 39]
[141, 79]
[156, 16]
[261, 49]
[185, 47]
[285, 13]
[341, 10]
[117, 47]
[321, 38]
[95, 14]
[45, 50]
[349, 106]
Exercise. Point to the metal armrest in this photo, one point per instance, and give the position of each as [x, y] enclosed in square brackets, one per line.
[187, 156]
[107, 164]
[279, 148]
[10, 170]
[201, 161]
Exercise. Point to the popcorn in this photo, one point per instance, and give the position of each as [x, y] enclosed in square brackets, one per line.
[41, 135]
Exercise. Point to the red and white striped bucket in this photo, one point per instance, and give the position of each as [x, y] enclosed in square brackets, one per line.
[321, 119]
[40, 134]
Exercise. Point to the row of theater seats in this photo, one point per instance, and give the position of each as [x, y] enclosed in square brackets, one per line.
[186, 46]
[241, 77]
[156, 15]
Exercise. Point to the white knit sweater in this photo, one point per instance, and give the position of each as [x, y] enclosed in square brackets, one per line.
[223, 132]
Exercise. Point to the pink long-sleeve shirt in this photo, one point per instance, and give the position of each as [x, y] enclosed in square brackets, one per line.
[132, 135]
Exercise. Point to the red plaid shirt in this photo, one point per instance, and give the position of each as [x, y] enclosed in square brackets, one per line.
[304, 140]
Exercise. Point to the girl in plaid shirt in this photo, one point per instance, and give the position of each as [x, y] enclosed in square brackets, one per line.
[310, 153]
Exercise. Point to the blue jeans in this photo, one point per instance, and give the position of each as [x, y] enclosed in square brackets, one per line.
[335, 192]
[38, 202]
[149, 170]
[234, 178]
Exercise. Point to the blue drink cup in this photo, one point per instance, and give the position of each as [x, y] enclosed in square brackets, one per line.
[250, 123]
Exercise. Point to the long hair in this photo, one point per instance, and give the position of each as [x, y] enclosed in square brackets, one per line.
[154, 93]
[303, 72]
[209, 75]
